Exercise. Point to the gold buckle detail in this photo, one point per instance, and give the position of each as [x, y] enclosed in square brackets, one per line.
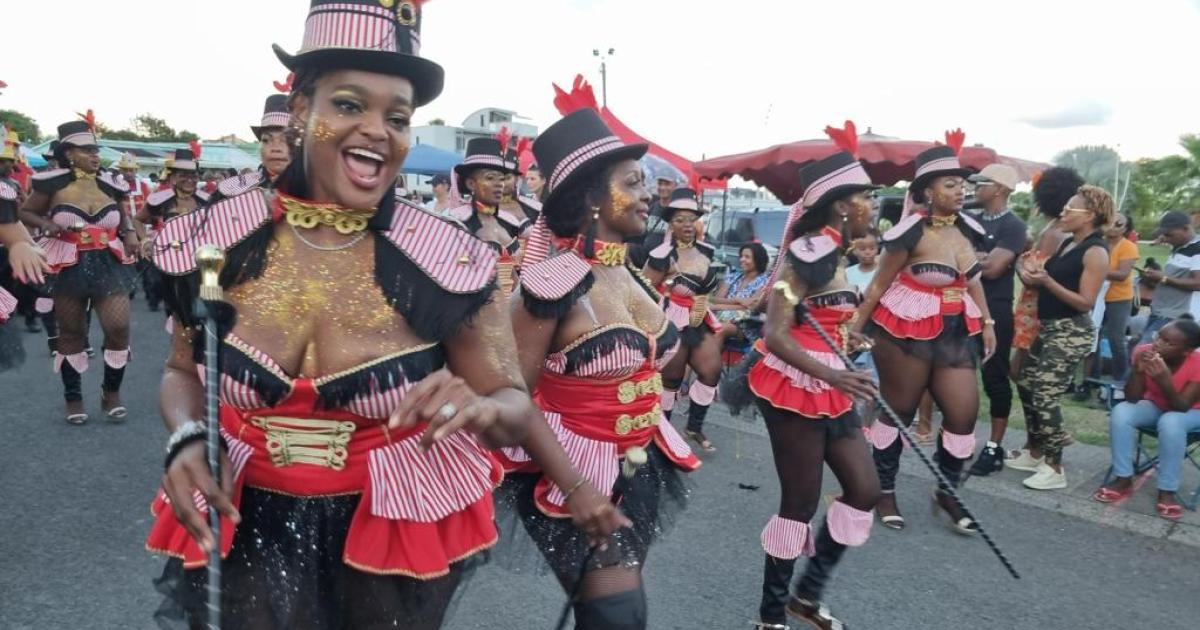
[626, 423]
[699, 311]
[306, 440]
[952, 295]
[629, 391]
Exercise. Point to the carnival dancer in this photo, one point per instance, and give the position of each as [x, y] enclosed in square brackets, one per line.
[91, 246]
[138, 190]
[368, 364]
[592, 342]
[925, 312]
[480, 178]
[181, 198]
[25, 294]
[806, 394]
[22, 264]
[685, 265]
[273, 150]
[512, 200]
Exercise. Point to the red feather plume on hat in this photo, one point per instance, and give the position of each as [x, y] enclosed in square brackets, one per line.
[503, 137]
[195, 147]
[955, 140]
[90, 119]
[524, 154]
[845, 139]
[286, 86]
[581, 96]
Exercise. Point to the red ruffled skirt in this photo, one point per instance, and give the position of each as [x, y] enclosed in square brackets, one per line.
[785, 387]
[419, 511]
[911, 310]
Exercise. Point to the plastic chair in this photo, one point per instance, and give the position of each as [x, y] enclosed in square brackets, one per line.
[1190, 454]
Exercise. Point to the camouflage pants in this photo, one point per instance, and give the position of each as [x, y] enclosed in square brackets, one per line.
[1061, 344]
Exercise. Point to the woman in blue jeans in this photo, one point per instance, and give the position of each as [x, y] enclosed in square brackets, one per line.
[1163, 393]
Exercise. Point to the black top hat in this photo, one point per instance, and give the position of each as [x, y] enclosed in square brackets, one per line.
[939, 161]
[575, 145]
[50, 151]
[481, 153]
[513, 160]
[275, 114]
[832, 178]
[682, 199]
[185, 160]
[381, 36]
[76, 133]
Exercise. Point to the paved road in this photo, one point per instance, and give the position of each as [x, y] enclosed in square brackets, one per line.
[73, 512]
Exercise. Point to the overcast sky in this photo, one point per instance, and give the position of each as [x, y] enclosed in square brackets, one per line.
[701, 77]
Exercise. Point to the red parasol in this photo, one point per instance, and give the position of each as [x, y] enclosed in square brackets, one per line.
[888, 160]
[581, 95]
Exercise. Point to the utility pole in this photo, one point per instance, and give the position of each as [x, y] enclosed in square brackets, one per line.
[603, 73]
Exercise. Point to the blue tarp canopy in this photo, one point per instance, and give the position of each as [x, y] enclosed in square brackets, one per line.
[424, 159]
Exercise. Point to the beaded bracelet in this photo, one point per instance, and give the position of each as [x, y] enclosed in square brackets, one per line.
[568, 493]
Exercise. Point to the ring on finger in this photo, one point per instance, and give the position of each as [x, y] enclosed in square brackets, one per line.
[448, 410]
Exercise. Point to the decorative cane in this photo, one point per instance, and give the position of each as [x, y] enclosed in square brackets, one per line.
[944, 483]
[635, 458]
[210, 259]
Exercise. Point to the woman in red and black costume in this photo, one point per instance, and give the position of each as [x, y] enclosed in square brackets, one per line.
[368, 363]
[684, 263]
[926, 314]
[181, 198]
[91, 246]
[480, 180]
[593, 340]
[20, 261]
[806, 394]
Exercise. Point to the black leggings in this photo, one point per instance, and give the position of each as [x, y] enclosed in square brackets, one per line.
[995, 371]
[802, 447]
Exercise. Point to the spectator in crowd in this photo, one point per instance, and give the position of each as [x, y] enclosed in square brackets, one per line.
[866, 252]
[1163, 393]
[1068, 285]
[1176, 286]
[1004, 239]
[666, 185]
[534, 182]
[441, 194]
[1118, 300]
[742, 292]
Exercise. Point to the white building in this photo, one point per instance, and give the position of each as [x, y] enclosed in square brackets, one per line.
[484, 123]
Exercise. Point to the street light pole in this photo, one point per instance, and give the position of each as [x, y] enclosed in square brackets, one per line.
[603, 73]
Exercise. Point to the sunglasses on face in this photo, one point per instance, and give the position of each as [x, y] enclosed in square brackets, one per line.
[1076, 210]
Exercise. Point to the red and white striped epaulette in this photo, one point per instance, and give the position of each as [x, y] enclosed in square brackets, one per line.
[554, 278]
[810, 249]
[238, 184]
[515, 222]
[118, 184]
[223, 224]
[706, 249]
[972, 223]
[50, 181]
[448, 254]
[7, 192]
[902, 228]
[530, 202]
[462, 213]
[160, 197]
[202, 196]
[50, 174]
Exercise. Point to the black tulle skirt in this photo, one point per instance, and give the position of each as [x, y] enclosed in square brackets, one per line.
[953, 347]
[530, 541]
[98, 274]
[285, 571]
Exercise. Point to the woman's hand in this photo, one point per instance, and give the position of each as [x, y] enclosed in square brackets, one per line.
[448, 404]
[595, 514]
[1155, 367]
[133, 247]
[989, 342]
[859, 341]
[28, 262]
[855, 384]
[51, 229]
[189, 472]
[1034, 277]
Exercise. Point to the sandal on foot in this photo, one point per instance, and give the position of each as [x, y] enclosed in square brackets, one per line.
[1169, 511]
[965, 525]
[1108, 495]
[115, 414]
[813, 615]
[701, 441]
[892, 521]
[763, 625]
[77, 418]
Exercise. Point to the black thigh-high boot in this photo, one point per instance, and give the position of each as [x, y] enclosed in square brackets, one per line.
[621, 611]
[696, 415]
[819, 568]
[777, 580]
[112, 378]
[950, 466]
[887, 464]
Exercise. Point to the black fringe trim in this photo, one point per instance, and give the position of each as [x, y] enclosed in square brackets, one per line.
[243, 262]
[49, 186]
[110, 190]
[835, 298]
[928, 267]
[908, 240]
[604, 344]
[382, 376]
[815, 274]
[237, 365]
[557, 309]
[431, 311]
[666, 340]
[693, 336]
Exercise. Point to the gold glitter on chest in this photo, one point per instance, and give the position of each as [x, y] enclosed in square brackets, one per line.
[318, 312]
